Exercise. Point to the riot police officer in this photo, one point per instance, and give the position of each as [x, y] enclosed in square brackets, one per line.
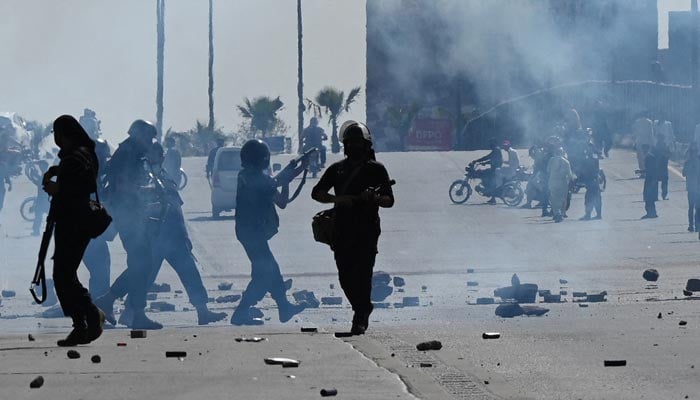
[356, 229]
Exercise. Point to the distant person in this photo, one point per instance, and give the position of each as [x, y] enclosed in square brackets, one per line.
[589, 176]
[560, 177]
[5, 174]
[173, 160]
[357, 228]
[691, 172]
[256, 223]
[41, 204]
[212, 154]
[171, 242]
[314, 136]
[75, 181]
[90, 123]
[643, 131]
[663, 154]
[651, 182]
[128, 201]
[510, 167]
[602, 134]
[495, 160]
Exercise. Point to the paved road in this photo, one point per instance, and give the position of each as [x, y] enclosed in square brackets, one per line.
[432, 243]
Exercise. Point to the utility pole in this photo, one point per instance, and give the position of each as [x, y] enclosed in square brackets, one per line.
[211, 66]
[695, 32]
[300, 79]
[160, 32]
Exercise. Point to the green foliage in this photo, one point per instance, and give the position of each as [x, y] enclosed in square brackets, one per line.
[261, 113]
[333, 103]
[198, 140]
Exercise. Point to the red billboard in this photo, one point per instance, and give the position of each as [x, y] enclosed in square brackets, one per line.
[430, 134]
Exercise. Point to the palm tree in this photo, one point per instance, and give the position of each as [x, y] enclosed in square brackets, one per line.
[334, 104]
[160, 33]
[300, 79]
[262, 113]
[211, 66]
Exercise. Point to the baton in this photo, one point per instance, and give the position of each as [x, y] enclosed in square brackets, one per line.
[40, 272]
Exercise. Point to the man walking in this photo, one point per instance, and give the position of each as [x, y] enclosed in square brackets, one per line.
[361, 185]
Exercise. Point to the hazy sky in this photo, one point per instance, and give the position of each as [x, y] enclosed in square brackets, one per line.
[62, 56]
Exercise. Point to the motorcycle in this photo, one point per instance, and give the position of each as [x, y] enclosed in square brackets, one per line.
[602, 183]
[511, 192]
[183, 180]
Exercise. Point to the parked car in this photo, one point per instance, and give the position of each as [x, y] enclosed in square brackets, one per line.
[224, 180]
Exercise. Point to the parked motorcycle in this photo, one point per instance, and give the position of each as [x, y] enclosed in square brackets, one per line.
[511, 192]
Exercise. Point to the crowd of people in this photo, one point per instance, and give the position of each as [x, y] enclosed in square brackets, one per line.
[136, 186]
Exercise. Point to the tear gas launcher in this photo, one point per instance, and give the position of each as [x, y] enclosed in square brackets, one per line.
[293, 169]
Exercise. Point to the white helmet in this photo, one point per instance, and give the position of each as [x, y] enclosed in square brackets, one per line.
[351, 128]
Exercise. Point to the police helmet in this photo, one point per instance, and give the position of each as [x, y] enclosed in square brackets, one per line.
[352, 128]
[255, 154]
[142, 128]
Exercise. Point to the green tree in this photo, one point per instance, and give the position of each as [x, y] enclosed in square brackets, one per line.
[401, 118]
[333, 104]
[211, 66]
[262, 114]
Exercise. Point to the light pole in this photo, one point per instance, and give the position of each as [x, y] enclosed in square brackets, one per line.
[300, 78]
[160, 32]
[211, 66]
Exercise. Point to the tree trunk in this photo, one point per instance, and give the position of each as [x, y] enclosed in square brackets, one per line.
[211, 67]
[300, 79]
[160, 32]
[335, 144]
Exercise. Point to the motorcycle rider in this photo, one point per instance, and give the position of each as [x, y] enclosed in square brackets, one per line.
[508, 172]
[560, 176]
[313, 136]
[495, 160]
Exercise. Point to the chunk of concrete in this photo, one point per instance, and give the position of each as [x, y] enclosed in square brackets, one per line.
[380, 278]
[509, 310]
[515, 280]
[329, 392]
[332, 300]
[491, 335]
[523, 293]
[552, 298]
[651, 275]
[280, 361]
[72, 354]
[151, 296]
[410, 301]
[534, 311]
[8, 293]
[31, 337]
[96, 359]
[563, 281]
[307, 298]
[138, 334]
[162, 306]
[175, 354]
[37, 382]
[693, 285]
[544, 292]
[579, 294]
[381, 305]
[225, 285]
[231, 298]
[485, 300]
[595, 298]
[430, 345]
[472, 283]
[159, 288]
[399, 281]
[615, 363]
[381, 292]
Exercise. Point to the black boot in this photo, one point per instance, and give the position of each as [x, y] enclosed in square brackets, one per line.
[95, 319]
[79, 334]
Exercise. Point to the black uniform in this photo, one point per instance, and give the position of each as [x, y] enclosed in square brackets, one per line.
[589, 176]
[69, 210]
[127, 176]
[357, 228]
[663, 153]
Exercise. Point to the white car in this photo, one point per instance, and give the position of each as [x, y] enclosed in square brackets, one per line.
[224, 180]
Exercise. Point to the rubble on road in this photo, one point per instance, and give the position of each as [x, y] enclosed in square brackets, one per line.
[309, 329]
[31, 337]
[596, 298]
[225, 285]
[231, 298]
[509, 310]
[431, 345]
[151, 296]
[72, 354]
[332, 301]
[615, 363]
[485, 300]
[175, 354]
[472, 283]
[683, 323]
[329, 392]
[162, 306]
[254, 339]
[282, 361]
[37, 382]
[8, 293]
[159, 288]
[307, 298]
[651, 275]
[399, 281]
[693, 285]
[380, 286]
[491, 335]
[411, 302]
[522, 293]
[552, 298]
[96, 359]
[138, 334]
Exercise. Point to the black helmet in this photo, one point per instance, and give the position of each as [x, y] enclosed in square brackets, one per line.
[142, 129]
[255, 154]
[353, 128]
